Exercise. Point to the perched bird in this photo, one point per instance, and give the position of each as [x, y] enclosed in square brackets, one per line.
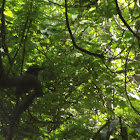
[29, 82]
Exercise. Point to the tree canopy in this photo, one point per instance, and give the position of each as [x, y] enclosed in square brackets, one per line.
[88, 53]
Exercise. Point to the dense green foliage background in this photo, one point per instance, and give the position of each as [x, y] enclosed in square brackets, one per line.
[89, 93]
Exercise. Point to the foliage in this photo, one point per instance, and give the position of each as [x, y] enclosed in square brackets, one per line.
[90, 51]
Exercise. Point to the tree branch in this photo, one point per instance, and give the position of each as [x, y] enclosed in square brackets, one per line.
[17, 115]
[73, 40]
[125, 84]
[123, 20]
[2, 35]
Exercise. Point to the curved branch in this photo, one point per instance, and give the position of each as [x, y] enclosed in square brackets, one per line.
[73, 40]
[125, 82]
[123, 20]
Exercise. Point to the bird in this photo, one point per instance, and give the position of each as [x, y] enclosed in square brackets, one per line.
[29, 82]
